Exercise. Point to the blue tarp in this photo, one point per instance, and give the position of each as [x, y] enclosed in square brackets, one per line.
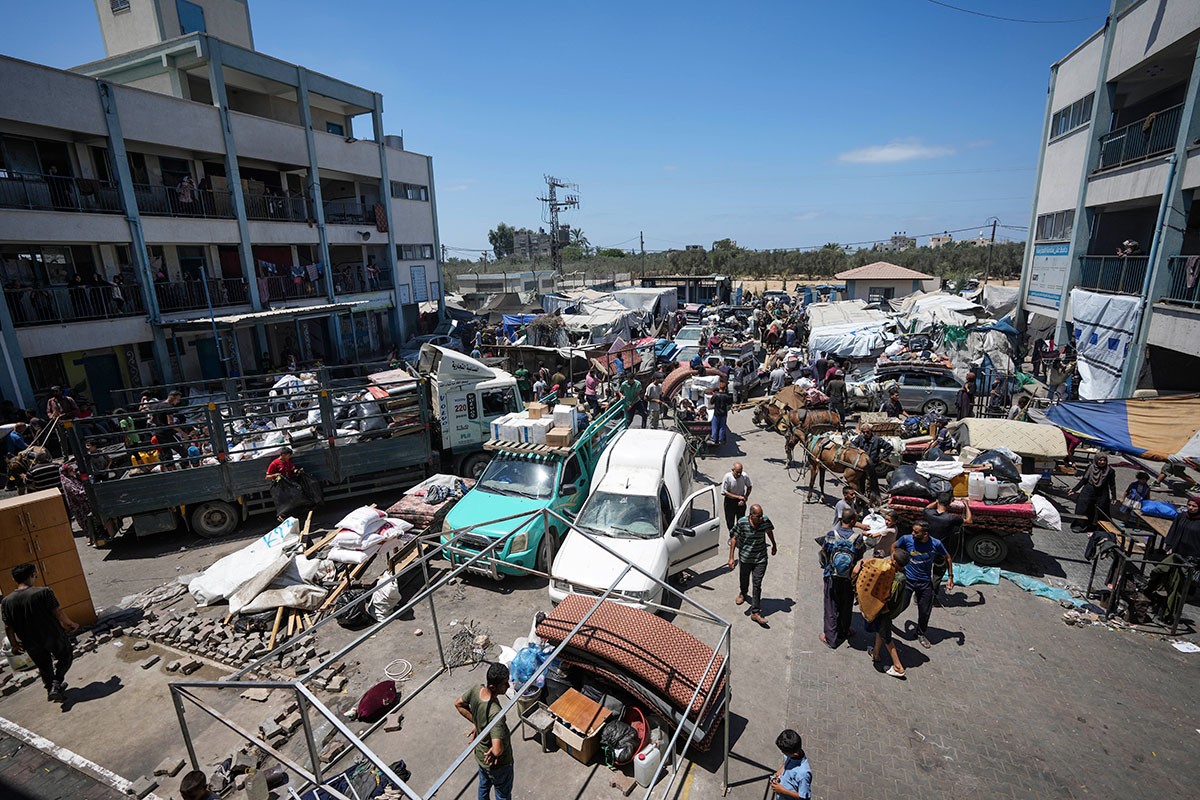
[1154, 428]
[513, 321]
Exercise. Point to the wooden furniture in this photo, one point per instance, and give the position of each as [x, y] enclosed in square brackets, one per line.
[35, 529]
[577, 723]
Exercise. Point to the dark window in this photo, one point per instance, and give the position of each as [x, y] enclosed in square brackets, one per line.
[409, 191]
[917, 381]
[1071, 117]
[333, 127]
[191, 17]
[664, 500]
[117, 6]
[1055, 226]
[571, 472]
[498, 401]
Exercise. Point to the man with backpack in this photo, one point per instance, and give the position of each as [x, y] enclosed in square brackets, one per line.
[841, 549]
[922, 550]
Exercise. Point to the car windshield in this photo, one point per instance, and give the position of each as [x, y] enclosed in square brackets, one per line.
[689, 334]
[518, 479]
[622, 516]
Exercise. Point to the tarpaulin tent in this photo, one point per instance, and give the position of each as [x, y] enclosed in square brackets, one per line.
[1155, 428]
[920, 311]
[1105, 326]
[513, 321]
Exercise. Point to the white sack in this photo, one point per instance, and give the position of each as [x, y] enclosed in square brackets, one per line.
[939, 469]
[1045, 515]
[301, 596]
[225, 577]
[363, 520]
[385, 599]
[344, 556]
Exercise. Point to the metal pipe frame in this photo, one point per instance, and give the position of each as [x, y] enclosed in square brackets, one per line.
[183, 690]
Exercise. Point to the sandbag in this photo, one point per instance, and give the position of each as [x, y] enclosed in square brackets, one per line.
[907, 482]
[1003, 468]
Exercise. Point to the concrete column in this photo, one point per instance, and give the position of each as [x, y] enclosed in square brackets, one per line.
[314, 177]
[1027, 268]
[395, 321]
[437, 243]
[14, 378]
[216, 77]
[137, 247]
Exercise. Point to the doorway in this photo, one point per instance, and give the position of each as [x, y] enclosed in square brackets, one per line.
[103, 373]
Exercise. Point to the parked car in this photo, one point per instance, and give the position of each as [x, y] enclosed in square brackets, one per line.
[777, 295]
[644, 506]
[924, 390]
[747, 361]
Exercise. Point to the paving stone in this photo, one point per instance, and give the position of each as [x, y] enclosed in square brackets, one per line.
[150, 662]
[258, 695]
[143, 786]
[175, 665]
[170, 767]
[139, 646]
[191, 665]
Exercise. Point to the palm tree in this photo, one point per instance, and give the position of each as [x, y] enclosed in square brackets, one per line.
[577, 238]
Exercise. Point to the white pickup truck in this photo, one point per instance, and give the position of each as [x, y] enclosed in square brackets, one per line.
[644, 506]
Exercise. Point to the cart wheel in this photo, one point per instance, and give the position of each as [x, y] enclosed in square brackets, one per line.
[474, 465]
[987, 549]
[214, 519]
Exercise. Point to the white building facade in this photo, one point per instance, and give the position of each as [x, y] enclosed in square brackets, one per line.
[1117, 175]
[188, 208]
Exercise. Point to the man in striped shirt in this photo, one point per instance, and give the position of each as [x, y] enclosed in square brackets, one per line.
[748, 540]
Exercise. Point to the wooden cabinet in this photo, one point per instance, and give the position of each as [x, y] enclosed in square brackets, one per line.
[34, 529]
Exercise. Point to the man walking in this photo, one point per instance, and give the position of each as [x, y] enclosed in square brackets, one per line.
[722, 401]
[943, 524]
[922, 549]
[881, 626]
[35, 623]
[749, 539]
[631, 390]
[480, 706]
[735, 487]
[841, 550]
[654, 400]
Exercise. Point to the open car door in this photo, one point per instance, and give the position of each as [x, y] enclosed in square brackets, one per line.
[692, 535]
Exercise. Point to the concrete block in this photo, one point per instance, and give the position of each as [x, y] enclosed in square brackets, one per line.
[290, 723]
[27, 680]
[175, 665]
[191, 665]
[150, 662]
[336, 684]
[623, 783]
[258, 695]
[169, 767]
[143, 786]
[270, 729]
[140, 646]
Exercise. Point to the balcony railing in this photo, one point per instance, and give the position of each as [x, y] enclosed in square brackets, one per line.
[1184, 288]
[58, 193]
[191, 296]
[1121, 274]
[274, 207]
[285, 287]
[356, 278]
[49, 305]
[170, 201]
[1139, 140]
[349, 212]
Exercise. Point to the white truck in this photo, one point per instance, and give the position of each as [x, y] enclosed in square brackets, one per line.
[465, 395]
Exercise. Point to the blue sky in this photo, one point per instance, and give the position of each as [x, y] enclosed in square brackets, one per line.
[778, 124]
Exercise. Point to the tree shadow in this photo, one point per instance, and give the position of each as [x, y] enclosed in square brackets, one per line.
[96, 690]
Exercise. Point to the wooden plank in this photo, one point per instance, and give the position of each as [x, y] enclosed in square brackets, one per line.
[275, 628]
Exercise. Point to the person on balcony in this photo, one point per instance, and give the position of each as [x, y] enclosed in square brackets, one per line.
[185, 193]
[1129, 247]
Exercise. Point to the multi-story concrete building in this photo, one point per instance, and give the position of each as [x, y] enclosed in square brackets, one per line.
[1120, 163]
[188, 208]
[899, 241]
[529, 244]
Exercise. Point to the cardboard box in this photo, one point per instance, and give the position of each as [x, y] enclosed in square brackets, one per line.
[497, 426]
[558, 437]
[536, 410]
[581, 749]
[564, 416]
[568, 401]
[577, 723]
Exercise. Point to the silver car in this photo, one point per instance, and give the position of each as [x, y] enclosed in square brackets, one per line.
[925, 391]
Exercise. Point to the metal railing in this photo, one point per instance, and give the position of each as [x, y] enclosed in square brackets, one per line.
[353, 278]
[1121, 274]
[1184, 288]
[276, 207]
[287, 287]
[1139, 140]
[58, 193]
[48, 305]
[349, 211]
[191, 295]
[171, 201]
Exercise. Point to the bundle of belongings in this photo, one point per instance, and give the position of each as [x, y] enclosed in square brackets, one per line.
[899, 353]
[365, 532]
[425, 505]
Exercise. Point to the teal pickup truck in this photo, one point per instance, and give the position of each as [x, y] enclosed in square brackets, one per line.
[523, 479]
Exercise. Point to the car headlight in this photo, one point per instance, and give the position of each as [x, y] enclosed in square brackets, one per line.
[446, 526]
[560, 585]
[519, 543]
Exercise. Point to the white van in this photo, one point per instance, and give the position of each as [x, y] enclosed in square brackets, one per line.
[642, 505]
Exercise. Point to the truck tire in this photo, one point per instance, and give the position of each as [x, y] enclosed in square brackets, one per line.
[473, 465]
[987, 549]
[215, 519]
[546, 551]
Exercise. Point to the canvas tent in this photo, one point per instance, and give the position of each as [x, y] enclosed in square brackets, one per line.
[920, 311]
[1155, 428]
[847, 329]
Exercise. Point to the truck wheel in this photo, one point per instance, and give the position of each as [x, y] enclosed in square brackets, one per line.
[987, 549]
[214, 519]
[474, 465]
[546, 551]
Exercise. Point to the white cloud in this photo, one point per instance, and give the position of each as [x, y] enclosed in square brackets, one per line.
[895, 151]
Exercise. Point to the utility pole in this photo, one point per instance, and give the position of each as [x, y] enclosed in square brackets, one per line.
[443, 254]
[642, 243]
[554, 205]
[987, 271]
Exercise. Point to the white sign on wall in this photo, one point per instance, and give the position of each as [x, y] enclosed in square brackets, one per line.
[1049, 271]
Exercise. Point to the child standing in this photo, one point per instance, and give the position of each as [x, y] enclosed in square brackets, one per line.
[794, 778]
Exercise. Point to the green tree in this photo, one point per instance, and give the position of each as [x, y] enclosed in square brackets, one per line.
[572, 252]
[612, 252]
[501, 240]
[581, 241]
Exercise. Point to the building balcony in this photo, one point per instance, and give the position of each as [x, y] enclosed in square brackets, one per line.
[349, 212]
[1147, 137]
[58, 193]
[275, 288]
[275, 207]
[355, 278]
[1184, 288]
[55, 305]
[196, 295]
[169, 201]
[1119, 274]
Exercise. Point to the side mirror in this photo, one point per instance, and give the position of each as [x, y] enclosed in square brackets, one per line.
[683, 531]
[567, 490]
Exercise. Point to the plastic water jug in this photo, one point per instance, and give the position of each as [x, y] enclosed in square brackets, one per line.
[991, 488]
[645, 764]
[975, 486]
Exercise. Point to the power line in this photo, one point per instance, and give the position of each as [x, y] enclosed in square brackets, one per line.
[1012, 19]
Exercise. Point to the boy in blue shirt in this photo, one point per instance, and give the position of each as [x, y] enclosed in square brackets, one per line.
[922, 549]
[794, 778]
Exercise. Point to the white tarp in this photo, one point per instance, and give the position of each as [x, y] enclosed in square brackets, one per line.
[920, 311]
[1189, 452]
[1105, 326]
[847, 329]
[648, 300]
[233, 571]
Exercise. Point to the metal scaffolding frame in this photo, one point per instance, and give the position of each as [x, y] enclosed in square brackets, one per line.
[187, 692]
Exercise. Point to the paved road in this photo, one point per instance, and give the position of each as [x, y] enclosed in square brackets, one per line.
[27, 773]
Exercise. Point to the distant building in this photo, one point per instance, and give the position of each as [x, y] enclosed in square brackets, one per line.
[529, 244]
[697, 247]
[883, 281]
[899, 241]
[940, 241]
[538, 282]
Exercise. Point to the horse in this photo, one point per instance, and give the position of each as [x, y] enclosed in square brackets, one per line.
[824, 454]
[798, 425]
